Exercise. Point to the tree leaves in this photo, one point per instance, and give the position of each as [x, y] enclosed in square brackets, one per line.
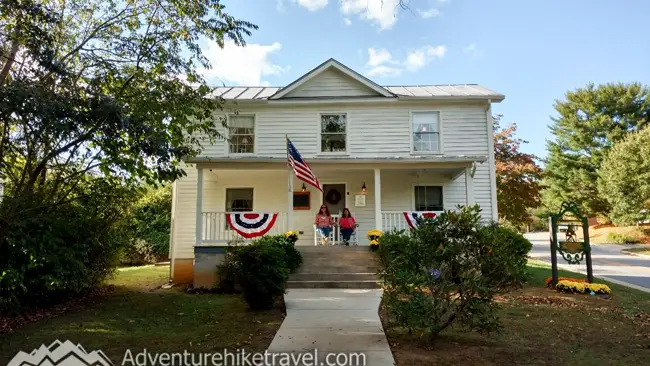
[518, 176]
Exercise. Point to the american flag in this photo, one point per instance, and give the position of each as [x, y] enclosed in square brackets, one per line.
[300, 167]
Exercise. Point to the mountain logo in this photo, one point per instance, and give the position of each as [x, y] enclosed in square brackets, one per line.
[60, 354]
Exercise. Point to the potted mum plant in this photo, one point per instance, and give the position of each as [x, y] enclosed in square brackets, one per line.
[374, 236]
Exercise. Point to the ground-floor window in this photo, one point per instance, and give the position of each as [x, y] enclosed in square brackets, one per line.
[428, 198]
[239, 199]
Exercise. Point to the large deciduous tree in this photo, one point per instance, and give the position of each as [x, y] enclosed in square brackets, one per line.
[590, 120]
[518, 176]
[625, 178]
[94, 95]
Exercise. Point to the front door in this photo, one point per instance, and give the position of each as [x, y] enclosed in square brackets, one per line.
[334, 197]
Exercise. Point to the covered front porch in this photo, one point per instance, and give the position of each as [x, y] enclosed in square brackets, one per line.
[376, 194]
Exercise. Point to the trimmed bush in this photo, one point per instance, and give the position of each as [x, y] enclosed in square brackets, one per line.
[622, 238]
[262, 272]
[293, 257]
[449, 270]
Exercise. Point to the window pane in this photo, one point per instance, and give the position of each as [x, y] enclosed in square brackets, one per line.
[428, 198]
[425, 141]
[332, 123]
[332, 143]
[242, 121]
[242, 144]
[239, 199]
[426, 128]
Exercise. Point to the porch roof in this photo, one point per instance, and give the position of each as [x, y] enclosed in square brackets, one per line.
[415, 159]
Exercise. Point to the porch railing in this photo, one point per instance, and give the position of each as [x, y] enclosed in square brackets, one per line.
[215, 228]
[395, 220]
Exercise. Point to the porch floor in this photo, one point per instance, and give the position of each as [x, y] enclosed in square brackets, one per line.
[334, 321]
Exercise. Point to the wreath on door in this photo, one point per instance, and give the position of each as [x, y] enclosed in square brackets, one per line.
[333, 196]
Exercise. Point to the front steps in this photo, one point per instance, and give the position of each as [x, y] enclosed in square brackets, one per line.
[336, 267]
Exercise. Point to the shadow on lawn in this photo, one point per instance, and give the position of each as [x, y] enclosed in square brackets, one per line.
[136, 317]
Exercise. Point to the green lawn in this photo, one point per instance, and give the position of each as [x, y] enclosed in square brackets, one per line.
[543, 327]
[644, 251]
[137, 315]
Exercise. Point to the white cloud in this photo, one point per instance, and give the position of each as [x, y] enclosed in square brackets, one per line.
[381, 62]
[419, 58]
[279, 5]
[312, 5]
[473, 49]
[385, 71]
[241, 65]
[347, 21]
[425, 14]
[382, 12]
[379, 56]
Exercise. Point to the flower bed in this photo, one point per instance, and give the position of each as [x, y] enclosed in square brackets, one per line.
[548, 280]
[582, 287]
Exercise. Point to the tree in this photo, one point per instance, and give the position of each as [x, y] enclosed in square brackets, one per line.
[590, 120]
[518, 176]
[625, 178]
[96, 97]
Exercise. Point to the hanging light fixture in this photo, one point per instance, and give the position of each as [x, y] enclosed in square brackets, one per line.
[363, 188]
[304, 189]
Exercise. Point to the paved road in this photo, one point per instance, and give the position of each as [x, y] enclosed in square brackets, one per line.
[607, 259]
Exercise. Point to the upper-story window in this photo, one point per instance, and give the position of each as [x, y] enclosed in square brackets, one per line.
[333, 133]
[241, 130]
[426, 131]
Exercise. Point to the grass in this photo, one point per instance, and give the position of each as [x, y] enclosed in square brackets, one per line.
[609, 234]
[644, 251]
[139, 315]
[543, 327]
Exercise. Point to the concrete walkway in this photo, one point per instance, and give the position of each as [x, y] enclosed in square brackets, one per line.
[334, 321]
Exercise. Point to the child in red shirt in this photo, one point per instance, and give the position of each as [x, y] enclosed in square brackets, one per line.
[347, 224]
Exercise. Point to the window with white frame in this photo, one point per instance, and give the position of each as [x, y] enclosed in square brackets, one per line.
[428, 198]
[333, 133]
[426, 131]
[239, 199]
[241, 132]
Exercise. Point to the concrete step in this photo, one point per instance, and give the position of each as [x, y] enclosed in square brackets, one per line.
[338, 268]
[369, 284]
[324, 276]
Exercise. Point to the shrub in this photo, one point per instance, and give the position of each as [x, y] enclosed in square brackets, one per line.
[52, 252]
[227, 272]
[449, 270]
[622, 238]
[293, 257]
[262, 272]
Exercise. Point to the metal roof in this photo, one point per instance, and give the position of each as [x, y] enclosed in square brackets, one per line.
[408, 91]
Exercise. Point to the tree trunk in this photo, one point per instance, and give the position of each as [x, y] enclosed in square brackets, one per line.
[10, 60]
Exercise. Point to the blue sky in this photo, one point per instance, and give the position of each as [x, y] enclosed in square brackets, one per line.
[531, 51]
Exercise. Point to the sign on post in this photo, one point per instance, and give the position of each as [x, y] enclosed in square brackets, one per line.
[570, 238]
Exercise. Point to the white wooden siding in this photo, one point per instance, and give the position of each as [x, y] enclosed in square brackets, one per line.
[377, 130]
[331, 83]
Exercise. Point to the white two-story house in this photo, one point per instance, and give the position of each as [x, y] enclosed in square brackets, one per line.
[377, 150]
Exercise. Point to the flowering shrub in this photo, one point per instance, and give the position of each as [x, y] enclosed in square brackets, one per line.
[548, 280]
[374, 235]
[291, 236]
[582, 287]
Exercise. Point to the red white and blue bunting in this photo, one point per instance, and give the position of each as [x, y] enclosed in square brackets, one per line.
[251, 224]
[414, 218]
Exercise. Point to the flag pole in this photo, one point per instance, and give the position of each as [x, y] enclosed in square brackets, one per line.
[290, 186]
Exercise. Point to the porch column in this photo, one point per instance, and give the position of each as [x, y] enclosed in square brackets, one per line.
[469, 186]
[199, 205]
[378, 223]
